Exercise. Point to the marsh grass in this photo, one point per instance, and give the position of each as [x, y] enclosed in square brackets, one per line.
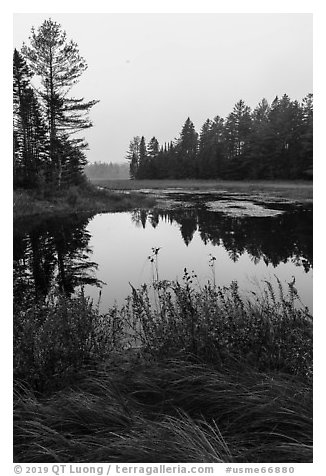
[85, 198]
[295, 190]
[215, 378]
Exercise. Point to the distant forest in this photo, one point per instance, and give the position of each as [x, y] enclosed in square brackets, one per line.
[103, 170]
[269, 142]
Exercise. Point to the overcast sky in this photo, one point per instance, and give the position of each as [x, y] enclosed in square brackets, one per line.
[151, 71]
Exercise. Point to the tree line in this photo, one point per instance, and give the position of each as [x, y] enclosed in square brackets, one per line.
[272, 141]
[47, 120]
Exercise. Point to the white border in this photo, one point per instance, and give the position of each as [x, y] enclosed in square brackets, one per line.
[168, 6]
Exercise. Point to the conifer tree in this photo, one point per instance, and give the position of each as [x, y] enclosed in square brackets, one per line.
[133, 157]
[306, 155]
[237, 129]
[271, 142]
[259, 164]
[286, 129]
[153, 148]
[142, 161]
[58, 65]
[29, 129]
[187, 150]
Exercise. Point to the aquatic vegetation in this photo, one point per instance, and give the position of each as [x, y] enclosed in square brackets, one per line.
[241, 208]
[267, 189]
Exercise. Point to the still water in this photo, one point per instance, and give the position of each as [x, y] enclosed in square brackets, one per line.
[250, 246]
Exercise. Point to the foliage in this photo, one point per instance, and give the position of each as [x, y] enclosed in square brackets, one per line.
[30, 161]
[271, 142]
[193, 392]
[80, 198]
[218, 325]
[48, 154]
[56, 337]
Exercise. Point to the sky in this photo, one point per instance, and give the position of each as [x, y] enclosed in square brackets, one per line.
[152, 71]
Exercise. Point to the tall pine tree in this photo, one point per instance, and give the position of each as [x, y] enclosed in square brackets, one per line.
[58, 65]
[30, 160]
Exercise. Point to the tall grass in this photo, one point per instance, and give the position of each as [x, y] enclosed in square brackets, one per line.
[56, 338]
[197, 375]
[83, 198]
[172, 411]
[271, 331]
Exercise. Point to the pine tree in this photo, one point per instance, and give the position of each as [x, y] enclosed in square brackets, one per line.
[286, 130]
[187, 151]
[218, 147]
[204, 150]
[59, 66]
[211, 149]
[133, 157]
[306, 156]
[259, 164]
[142, 161]
[237, 128]
[153, 148]
[271, 142]
[29, 130]
[21, 83]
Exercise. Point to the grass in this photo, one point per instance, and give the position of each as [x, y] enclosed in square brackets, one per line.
[76, 199]
[294, 190]
[122, 195]
[171, 411]
[216, 377]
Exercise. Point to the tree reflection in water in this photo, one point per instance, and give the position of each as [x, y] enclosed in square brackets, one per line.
[55, 254]
[275, 239]
[52, 254]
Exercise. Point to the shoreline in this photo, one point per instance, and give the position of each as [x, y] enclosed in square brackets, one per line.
[123, 195]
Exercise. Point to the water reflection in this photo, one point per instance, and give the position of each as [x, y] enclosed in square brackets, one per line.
[69, 252]
[52, 254]
[273, 240]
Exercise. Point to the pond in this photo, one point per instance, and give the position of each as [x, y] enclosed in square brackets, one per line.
[250, 241]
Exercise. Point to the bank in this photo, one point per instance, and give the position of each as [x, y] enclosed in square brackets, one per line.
[76, 199]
